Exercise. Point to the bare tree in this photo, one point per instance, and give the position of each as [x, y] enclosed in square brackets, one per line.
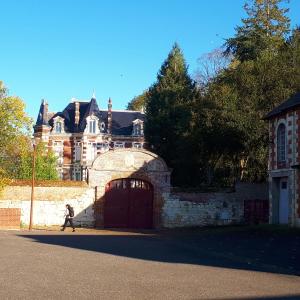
[210, 65]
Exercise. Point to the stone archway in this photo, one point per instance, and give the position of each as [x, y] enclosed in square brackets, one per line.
[134, 164]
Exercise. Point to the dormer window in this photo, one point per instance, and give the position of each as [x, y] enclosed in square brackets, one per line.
[137, 129]
[58, 125]
[92, 125]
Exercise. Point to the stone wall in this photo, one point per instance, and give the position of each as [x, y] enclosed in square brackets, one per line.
[49, 204]
[178, 209]
[204, 209]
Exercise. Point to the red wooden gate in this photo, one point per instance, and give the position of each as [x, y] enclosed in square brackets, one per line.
[256, 211]
[128, 204]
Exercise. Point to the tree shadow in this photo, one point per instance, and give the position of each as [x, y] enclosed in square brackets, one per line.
[234, 248]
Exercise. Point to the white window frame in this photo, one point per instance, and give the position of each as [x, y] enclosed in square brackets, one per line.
[92, 125]
[137, 145]
[119, 145]
[58, 122]
[137, 127]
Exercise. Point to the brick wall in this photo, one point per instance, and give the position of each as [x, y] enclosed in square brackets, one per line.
[10, 217]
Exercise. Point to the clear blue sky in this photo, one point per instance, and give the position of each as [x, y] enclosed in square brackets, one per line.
[61, 49]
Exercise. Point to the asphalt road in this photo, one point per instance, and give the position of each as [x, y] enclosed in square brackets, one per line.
[187, 264]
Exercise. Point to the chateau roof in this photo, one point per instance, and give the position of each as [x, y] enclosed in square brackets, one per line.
[289, 104]
[42, 118]
[121, 119]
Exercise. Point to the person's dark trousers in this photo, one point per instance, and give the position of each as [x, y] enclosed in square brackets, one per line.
[70, 220]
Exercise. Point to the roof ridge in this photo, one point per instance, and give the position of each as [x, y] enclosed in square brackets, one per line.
[124, 110]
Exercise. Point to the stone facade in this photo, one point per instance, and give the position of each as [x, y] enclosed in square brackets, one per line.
[131, 163]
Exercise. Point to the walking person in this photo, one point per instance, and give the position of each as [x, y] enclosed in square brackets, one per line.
[69, 215]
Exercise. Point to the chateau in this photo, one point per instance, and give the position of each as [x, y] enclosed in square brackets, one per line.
[82, 131]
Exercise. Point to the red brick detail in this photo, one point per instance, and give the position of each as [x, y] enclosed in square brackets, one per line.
[67, 152]
[10, 217]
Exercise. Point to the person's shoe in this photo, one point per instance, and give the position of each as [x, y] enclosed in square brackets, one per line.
[62, 229]
[73, 230]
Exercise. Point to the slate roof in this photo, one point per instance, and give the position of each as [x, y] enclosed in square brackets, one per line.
[121, 120]
[292, 102]
[42, 118]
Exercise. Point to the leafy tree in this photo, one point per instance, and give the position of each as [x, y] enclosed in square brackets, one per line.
[264, 29]
[45, 167]
[168, 116]
[263, 72]
[15, 143]
[138, 103]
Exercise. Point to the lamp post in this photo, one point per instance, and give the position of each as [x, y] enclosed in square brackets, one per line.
[32, 186]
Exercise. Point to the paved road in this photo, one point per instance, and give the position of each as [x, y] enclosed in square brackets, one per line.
[209, 264]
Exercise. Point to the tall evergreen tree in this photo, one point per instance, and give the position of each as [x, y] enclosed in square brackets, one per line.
[264, 29]
[168, 115]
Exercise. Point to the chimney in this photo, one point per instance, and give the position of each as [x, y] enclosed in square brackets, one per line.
[44, 111]
[109, 116]
[77, 114]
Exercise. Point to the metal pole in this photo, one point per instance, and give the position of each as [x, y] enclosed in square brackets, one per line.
[32, 186]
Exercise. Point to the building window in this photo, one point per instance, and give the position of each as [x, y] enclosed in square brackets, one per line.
[77, 176]
[102, 147]
[281, 143]
[58, 150]
[102, 125]
[118, 145]
[137, 130]
[91, 151]
[77, 155]
[92, 126]
[58, 127]
[137, 145]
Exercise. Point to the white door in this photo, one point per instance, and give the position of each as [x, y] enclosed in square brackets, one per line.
[283, 202]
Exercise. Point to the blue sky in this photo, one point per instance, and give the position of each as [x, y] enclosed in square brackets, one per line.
[62, 49]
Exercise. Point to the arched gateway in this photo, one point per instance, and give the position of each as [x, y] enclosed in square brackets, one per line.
[129, 184]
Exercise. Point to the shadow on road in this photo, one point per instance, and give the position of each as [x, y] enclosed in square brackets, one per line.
[282, 297]
[259, 250]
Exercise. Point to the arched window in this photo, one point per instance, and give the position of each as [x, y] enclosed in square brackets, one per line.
[281, 143]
